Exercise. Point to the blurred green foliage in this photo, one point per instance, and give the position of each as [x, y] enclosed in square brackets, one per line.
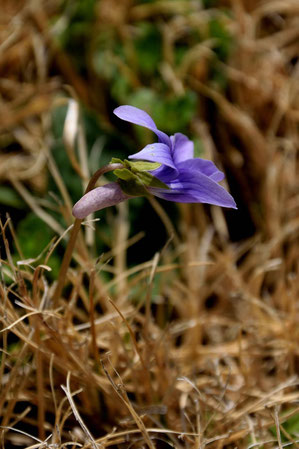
[35, 236]
[291, 426]
[78, 16]
[171, 114]
[42, 235]
[131, 65]
[9, 197]
[148, 48]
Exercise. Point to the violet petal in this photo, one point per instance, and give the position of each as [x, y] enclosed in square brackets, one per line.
[204, 166]
[156, 152]
[141, 118]
[195, 187]
[183, 148]
[165, 174]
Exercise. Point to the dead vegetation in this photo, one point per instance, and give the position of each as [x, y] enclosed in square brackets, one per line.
[199, 346]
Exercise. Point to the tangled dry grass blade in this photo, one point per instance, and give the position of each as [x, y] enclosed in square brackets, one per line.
[200, 345]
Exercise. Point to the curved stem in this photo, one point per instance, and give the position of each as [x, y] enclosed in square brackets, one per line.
[74, 234]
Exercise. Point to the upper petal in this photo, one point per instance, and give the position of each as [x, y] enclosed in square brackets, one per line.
[195, 187]
[140, 117]
[156, 152]
[183, 148]
[204, 166]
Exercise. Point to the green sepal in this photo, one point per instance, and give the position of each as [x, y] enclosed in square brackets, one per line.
[116, 160]
[143, 166]
[133, 187]
[125, 174]
[151, 181]
[134, 178]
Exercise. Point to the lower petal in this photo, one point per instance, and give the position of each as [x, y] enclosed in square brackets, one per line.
[195, 187]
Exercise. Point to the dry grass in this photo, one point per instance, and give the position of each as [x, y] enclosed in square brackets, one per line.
[211, 359]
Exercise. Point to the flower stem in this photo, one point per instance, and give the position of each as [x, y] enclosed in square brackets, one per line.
[74, 234]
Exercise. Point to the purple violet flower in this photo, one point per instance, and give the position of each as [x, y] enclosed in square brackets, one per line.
[189, 179]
